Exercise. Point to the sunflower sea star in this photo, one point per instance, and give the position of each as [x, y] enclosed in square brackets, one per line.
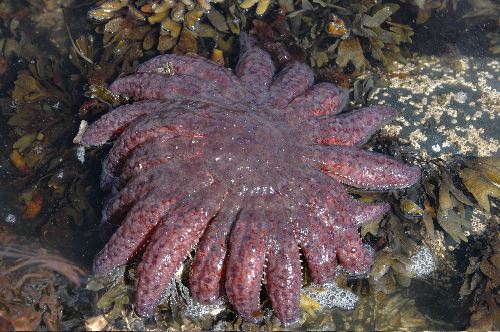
[250, 167]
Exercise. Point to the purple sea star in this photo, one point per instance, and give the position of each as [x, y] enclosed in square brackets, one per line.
[251, 166]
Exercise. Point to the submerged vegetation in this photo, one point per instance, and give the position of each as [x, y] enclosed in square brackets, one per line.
[32, 290]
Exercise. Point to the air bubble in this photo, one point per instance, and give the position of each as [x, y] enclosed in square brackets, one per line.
[331, 296]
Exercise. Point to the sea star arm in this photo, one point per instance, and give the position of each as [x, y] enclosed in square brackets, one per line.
[348, 211]
[315, 240]
[159, 151]
[118, 206]
[362, 169]
[134, 233]
[350, 129]
[255, 68]
[193, 65]
[113, 123]
[283, 270]
[161, 259]
[363, 213]
[321, 99]
[351, 252]
[209, 264]
[154, 86]
[165, 125]
[245, 266]
[291, 82]
[141, 220]
[172, 175]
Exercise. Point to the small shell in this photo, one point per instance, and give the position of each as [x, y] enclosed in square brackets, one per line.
[106, 10]
[207, 31]
[218, 20]
[187, 42]
[189, 4]
[381, 265]
[149, 40]
[114, 25]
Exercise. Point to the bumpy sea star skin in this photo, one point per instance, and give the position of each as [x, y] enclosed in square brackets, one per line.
[250, 167]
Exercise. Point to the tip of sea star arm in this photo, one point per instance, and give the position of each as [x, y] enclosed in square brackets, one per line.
[283, 272]
[245, 266]
[321, 99]
[366, 212]
[155, 86]
[247, 42]
[209, 263]
[354, 256]
[291, 81]
[255, 68]
[363, 169]
[135, 231]
[114, 122]
[171, 242]
[315, 240]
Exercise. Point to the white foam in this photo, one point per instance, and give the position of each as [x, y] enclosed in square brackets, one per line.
[80, 153]
[331, 296]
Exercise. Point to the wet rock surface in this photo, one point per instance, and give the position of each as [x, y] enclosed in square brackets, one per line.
[449, 106]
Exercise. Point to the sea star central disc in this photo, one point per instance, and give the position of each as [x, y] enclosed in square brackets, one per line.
[247, 170]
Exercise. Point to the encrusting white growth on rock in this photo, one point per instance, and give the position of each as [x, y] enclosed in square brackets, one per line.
[451, 103]
[422, 263]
